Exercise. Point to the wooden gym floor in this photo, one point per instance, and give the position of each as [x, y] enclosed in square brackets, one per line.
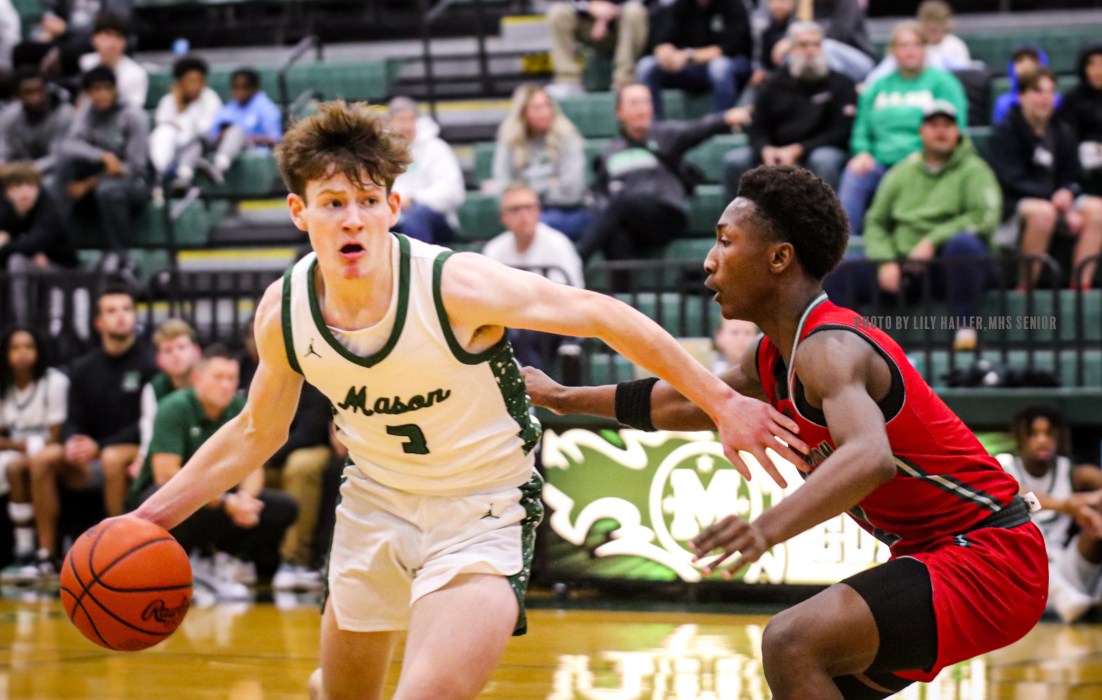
[259, 652]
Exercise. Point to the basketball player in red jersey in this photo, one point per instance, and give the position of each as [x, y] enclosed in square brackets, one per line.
[968, 572]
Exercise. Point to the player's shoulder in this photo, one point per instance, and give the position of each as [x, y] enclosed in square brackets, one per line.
[419, 250]
[834, 355]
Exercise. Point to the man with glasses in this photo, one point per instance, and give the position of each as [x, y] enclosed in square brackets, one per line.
[803, 115]
[533, 245]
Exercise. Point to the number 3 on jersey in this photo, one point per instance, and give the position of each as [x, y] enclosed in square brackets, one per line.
[415, 439]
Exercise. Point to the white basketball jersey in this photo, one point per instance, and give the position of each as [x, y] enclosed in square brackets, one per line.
[1054, 526]
[421, 414]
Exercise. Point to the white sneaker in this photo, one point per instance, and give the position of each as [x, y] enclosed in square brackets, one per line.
[233, 569]
[295, 577]
[22, 572]
[1069, 603]
[220, 588]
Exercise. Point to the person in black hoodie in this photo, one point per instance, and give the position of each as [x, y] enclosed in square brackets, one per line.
[803, 115]
[33, 236]
[1082, 111]
[1036, 160]
[640, 172]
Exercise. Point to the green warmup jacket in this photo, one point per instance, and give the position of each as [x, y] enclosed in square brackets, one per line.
[914, 202]
[889, 113]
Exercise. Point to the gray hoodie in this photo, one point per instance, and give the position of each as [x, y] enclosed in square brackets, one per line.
[631, 167]
[122, 130]
[34, 137]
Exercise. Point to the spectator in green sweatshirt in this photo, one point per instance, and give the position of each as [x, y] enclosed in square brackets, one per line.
[888, 116]
[941, 203]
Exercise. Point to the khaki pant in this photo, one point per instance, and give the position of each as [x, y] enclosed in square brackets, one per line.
[301, 477]
[627, 37]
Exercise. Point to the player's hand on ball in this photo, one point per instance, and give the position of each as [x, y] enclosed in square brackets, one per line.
[754, 426]
[734, 536]
[542, 390]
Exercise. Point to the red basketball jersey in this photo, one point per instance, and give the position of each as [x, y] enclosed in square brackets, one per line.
[945, 482]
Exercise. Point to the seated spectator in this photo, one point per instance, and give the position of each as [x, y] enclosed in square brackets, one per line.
[940, 203]
[641, 174]
[105, 155]
[610, 26]
[11, 32]
[1069, 518]
[889, 114]
[538, 145]
[779, 16]
[33, 399]
[1082, 110]
[944, 49]
[1036, 159]
[33, 127]
[705, 47]
[803, 115]
[846, 43]
[100, 443]
[249, 120]
[64, 34]
[33, 236]
[109, 39]
[1025, 59]
[184, 117]
[248, 521]
[533, 245]
[431, 188]
[299, 469]
[732, 339]
[178, 350]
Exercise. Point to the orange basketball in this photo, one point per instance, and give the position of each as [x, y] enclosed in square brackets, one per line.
[126, 584]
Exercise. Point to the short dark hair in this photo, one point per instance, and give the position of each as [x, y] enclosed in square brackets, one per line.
[1021, 425]
[42, 356]
[801, 209]
[354, 138]
[220, 350]
[114, 285]
[20, 172]
[187, 64]
[25, 73]
[112, 22]
[251, 76]
[1031, 80]
[96, 76]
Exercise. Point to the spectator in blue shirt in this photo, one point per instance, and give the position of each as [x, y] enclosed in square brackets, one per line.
[249, 119]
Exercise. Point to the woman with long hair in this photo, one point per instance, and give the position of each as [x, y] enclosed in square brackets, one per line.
[539, 146]
[33, 408]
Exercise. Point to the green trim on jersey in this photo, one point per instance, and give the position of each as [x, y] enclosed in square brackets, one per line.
[515, 393]
[399, 319]
[531, 495]
[285, 315]
[502, 363]
[467, 358]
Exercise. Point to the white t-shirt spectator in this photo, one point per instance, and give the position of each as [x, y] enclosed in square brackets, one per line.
[434, 178]
[28, 413]
[550, 248]
[132, 80]
[197, 117]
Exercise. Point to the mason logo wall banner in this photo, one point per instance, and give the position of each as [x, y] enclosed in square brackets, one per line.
[625, 504]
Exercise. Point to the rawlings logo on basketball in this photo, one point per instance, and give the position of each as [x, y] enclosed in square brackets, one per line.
[160, 612]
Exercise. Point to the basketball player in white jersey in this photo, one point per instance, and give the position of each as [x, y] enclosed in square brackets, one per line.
[440, 501]
[1068, 494]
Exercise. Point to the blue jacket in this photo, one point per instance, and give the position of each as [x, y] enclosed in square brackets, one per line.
[1005, 102]
[260, 117]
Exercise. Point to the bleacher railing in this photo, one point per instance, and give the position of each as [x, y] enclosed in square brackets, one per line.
[1047, 329]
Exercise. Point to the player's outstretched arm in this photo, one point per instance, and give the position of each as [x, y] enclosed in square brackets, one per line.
[669, 410]
[243, 444]
[844, 372]
[479, 293]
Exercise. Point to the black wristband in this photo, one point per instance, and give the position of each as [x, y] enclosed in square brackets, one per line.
[633, 403]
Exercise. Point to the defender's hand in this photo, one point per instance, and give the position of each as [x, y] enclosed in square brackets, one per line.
[543, 390]
[734, 536]
[753, 426]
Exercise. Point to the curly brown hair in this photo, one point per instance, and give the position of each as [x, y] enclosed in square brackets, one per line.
[354, 139]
